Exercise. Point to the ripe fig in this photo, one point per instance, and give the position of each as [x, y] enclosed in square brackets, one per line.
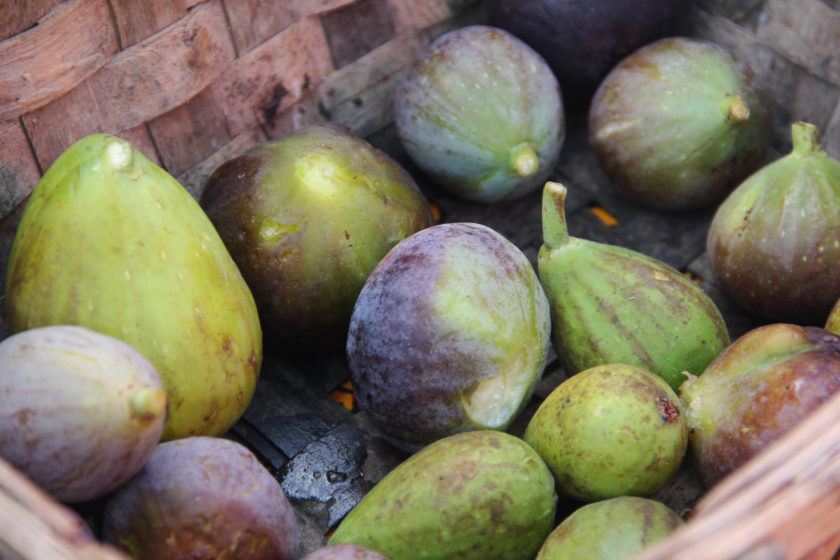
[582, 41]
[610, 304]
[449, 333]
[112, 242]
[774, 243]
[611, 529]
[344, 551]
[482, 114]
[307, 218]
[611, 430]
[762, 385]
[679, 123]
[80, 411]
[202, 497]
[480, 495]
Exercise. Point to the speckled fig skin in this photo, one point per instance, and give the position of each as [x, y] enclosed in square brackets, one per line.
[755, 391]
[480, 495]
[344, 551]
[80, 411]
[204, 498]
[612, 529]
[307, 218]
[482, 114]
[112, 242]
[610, 430]
[679, 123]
[450, 333]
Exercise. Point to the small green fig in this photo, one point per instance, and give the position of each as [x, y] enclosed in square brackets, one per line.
[679, 123]
[610, 304]
[482, 114]
[611, 430]
[774, 243]
[480, 495]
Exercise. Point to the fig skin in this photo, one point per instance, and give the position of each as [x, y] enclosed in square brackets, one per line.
[203, 498]
[344, 551]
[449, 333]
[773, 243]
[481, 113]
[307, 218]
[761, 386]
[610, 529]
[80, 411]
[611, 430]
[679, 123]
[480, 495]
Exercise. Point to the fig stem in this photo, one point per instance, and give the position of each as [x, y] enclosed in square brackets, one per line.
[148, 403]
[524, 160]
[806, 140]
[555, 231]
[737, 109]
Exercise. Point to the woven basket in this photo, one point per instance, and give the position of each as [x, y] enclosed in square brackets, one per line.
[192, 83]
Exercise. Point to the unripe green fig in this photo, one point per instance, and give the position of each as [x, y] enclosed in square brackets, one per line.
[112, 242]
[774, 243]
[306, 218]
[480, 495]
[482, 114]
[80, 411]
[679, 123]
[610, 304]
[611, 430]
[611, 529]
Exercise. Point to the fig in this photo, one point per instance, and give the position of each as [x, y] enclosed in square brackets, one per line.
[482, 495]
[773, 243]
[481, 113]
[678, 123]
[611, 430]
[610, 529]
[201, 497]
[759, 387]
[610, 304]
[112, 242]
[832, 323]
[582, 41]
[450, 333]
[80, 411]
[344, 551]
[306, 218]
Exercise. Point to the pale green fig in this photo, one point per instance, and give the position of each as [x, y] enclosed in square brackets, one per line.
[610, 304]
[480, 495]
[112, 242]
[611, 430]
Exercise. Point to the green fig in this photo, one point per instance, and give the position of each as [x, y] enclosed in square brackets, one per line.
[480, 495]
[610, 304]
[774, 243]
[112, 242]
[610, 529]
[482, 114]
[611, 430]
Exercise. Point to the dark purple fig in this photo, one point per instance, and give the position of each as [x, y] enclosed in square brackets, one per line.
[774, 243]
[756, 390]
[582, 41]
[679, 123]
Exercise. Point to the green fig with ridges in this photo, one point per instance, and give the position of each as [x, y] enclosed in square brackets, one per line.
[112, 242]
[479, 495]
[610, 304]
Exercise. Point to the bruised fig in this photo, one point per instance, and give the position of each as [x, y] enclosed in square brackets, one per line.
[679, 123]
[610, 304]
[774, 243]
[481, 113]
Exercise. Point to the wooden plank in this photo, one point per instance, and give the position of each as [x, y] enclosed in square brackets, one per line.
[135, 86]
[18, 16]
[19, 172]
[306, 111]
[425, 13]
[71, 43]
[273, 76]
[141, 139]
[136, 21]
[356, 29]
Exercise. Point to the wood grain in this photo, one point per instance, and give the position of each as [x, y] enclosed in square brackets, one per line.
[136, 21]
[19, 172]
[19, 15]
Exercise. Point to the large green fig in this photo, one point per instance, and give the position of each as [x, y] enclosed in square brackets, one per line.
[610, 304]
[482, 114]
[80, 412]
[482, 495]
[774, 243]
[112, 242]
[679, 123]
